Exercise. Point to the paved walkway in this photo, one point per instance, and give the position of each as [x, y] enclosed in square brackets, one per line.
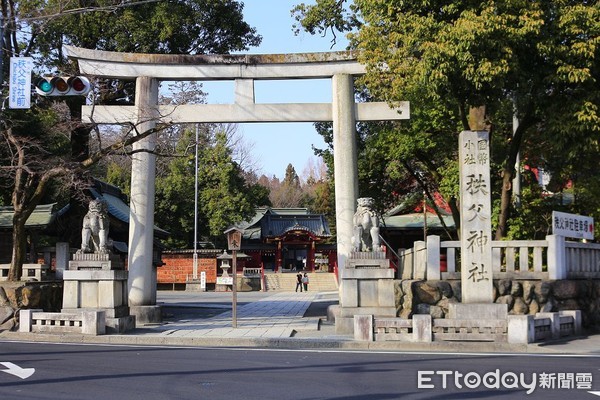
[277, 316]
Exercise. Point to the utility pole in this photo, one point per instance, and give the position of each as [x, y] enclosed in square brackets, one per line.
[1, 54]
[195, 266]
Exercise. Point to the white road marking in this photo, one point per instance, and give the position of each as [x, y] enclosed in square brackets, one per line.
[15, 370]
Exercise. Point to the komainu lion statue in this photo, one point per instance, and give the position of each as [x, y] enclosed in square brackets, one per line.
[95, 228]
[366, 226]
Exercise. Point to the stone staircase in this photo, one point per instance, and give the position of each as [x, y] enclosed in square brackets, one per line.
[286, 282]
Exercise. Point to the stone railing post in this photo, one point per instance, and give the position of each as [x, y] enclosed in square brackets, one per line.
[433, 258]
[557, 259]
[554, 318]
[521, 329]
[93, 322]
[419, 260]
[62, 258]
[422, 328]
[576, 314]
[363, 328]
[26, 319]
[406, 263]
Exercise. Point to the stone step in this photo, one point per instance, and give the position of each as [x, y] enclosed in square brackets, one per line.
[318, 281]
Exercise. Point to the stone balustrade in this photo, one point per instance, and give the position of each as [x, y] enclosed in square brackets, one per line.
[252, 272]
[84, 322]
[36, 272]
[512, 329]
[553, 258]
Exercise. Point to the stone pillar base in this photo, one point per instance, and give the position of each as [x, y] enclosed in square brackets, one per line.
[344, 320]
[98, 289]
[194, 286]
[344, 325]
[120, 325]
[146, 314]
[367, 289]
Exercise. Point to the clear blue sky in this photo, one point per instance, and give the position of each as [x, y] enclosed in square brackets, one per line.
[278, 144]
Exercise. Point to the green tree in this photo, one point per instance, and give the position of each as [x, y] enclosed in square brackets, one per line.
[223, 194]
[40, 29]
[536, 60]
[174, 198]
[175, 179]
[119, 174]
[173, 27]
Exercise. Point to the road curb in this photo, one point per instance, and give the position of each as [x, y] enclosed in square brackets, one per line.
[280, 343]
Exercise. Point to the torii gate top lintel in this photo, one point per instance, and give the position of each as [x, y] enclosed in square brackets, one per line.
[244, 70]
[215, 66]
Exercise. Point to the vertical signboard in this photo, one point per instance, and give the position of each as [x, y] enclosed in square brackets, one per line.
[19, 85]
[203, 280]
[475, 216]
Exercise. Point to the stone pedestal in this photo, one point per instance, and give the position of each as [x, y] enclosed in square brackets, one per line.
[477, 311]
[98, 282]
[367, 289]
[194, 286]
[145, 315]
[95, 262]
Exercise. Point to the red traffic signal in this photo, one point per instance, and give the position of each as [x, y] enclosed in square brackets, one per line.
[63, 86]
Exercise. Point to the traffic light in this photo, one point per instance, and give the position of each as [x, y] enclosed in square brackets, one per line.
[63, 86]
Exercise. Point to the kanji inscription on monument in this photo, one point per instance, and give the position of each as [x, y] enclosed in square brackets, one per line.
[475, 215]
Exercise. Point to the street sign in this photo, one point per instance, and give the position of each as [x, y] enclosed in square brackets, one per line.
[572, 225]
[19, 85]
[225, 280]
[234, 238]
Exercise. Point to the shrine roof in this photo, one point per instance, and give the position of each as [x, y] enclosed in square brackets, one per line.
[41, 217]
[273, 222]
[278, 225]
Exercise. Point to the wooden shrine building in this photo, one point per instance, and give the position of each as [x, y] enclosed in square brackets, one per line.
[288, 239]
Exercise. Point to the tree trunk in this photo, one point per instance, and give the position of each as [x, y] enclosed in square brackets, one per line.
[505, 197]
[455, 216]
[19, 239]
[508, 172]
[477, 120]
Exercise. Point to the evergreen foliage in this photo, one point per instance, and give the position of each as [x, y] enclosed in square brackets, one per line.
[534, 60]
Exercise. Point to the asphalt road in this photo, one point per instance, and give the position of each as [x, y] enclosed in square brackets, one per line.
[80, 372]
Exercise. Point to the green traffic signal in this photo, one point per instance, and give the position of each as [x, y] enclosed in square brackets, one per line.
[44, 86]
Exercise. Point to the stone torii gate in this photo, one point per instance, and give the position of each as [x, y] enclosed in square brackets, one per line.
[149, 69]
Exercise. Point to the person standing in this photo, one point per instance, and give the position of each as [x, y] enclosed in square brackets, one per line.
[305, 282]
[299, 281]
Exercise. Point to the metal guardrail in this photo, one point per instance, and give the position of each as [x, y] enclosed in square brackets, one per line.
[391, 250]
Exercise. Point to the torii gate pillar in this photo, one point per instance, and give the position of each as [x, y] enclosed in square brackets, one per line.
[345, 165]
[141, 283]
